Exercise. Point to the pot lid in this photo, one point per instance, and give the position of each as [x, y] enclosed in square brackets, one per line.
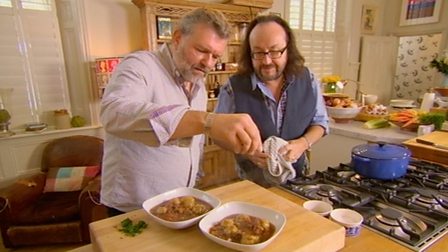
[381, 151]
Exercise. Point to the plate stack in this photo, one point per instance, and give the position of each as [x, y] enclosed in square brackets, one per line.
[402, 103]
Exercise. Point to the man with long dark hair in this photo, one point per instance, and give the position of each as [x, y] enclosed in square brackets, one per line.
[279, 92]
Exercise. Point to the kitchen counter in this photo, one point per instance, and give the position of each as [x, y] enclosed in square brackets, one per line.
[316, 233]
[336, 147]
[355, 129]
[367, 241]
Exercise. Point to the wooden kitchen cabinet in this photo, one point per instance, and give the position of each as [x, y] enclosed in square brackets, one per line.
[332, 150]
[157, 18]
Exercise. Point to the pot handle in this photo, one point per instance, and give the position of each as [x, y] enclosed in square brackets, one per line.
[362, 159]
[382, 143]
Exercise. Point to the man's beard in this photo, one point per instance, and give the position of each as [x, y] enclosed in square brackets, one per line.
[269, 77]
[185, 69]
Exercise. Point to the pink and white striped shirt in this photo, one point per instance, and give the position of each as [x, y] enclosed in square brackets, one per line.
[141, 108]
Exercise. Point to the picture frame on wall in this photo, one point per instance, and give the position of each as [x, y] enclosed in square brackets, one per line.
[416, 12]
[369, 19]
[164, 28]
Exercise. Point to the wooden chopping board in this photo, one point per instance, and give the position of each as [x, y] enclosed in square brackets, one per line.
[427, 152]
[304, 230]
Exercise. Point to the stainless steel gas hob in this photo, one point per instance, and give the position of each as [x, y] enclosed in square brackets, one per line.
[412, 210]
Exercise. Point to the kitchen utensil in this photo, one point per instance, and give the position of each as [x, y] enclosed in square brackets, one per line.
[435, 145]
[178, 192]
[428, 152]
[343, 115]
[380, 160]
[231, 208]
[351, 220]
[402, 103]
[318, 206]
[427, 102]
[370, 99]
[442, 102]
[425, 129]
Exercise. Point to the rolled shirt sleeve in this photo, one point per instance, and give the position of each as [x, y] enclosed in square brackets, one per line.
[321, 116]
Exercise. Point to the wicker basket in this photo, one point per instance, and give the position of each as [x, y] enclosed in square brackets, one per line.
[364, 117]
[411, 127]
[442, 91]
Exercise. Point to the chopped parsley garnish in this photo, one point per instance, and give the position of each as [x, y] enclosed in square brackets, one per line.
[131, 229]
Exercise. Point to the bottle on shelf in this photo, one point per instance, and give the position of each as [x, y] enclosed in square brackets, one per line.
[242, 31]
[219, 66]
[62, 119]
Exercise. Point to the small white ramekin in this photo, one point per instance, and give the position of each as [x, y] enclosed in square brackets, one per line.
[318, 206]
[350, 219]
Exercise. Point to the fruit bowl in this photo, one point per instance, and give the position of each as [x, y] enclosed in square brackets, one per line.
[343, 115]
[330, 97]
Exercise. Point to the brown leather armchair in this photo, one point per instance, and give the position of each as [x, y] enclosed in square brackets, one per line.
[30, 216]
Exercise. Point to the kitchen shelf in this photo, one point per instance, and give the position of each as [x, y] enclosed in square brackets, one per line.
[222, 72]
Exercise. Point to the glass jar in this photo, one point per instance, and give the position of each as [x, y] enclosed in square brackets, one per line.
[62, 119]
[330, 87]
[242, 31]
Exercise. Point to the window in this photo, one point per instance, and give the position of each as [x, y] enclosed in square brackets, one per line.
[30, 45]
[43, 5]
[314, 24]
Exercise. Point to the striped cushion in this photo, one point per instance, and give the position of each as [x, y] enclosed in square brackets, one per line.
[67, 179]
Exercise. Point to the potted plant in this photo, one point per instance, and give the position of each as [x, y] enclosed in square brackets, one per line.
[441, 64]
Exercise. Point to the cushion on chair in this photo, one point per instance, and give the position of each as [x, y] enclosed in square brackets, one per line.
[67, 179]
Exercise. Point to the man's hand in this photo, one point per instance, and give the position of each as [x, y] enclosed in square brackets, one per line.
[260, 159]
[293, 150]
[236, 132]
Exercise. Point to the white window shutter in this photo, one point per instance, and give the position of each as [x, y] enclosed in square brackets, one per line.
[35, 68]
[313, 22]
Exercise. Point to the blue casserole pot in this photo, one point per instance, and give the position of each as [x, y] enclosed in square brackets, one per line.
[380, 160]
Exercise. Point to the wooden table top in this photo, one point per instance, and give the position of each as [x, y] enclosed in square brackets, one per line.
[367, 241]
[303, 231]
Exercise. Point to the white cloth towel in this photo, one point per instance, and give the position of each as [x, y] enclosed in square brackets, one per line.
[279, 170]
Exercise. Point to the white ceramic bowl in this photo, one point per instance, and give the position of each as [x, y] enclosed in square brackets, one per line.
[182, 191]
[370, 99]
[343, 114]
[443, 103]
[351, 220]
[276, 218]
[318, 206]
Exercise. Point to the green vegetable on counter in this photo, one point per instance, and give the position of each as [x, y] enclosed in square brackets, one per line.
[78, 121]
[129, 229]
[4, 116]
[376, 123]
[433, 118]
